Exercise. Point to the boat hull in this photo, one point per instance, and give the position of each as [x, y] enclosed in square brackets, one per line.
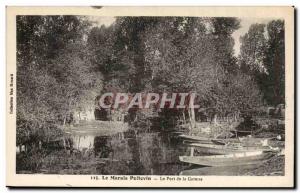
[223, 150]
[195, 139]
[228, 160]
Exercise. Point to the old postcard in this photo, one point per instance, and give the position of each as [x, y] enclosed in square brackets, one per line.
[150, 96]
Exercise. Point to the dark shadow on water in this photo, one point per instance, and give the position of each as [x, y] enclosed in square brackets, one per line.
[128, 153]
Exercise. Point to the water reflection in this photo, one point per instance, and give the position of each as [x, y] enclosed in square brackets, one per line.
[102, 146]
[83, 142]
[135, 153]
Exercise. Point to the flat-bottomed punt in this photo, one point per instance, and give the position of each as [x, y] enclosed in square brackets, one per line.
[245, 141]
[195, 138]
[227, 149]
[235, 159]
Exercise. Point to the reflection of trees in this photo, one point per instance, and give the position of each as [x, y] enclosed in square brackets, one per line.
[135, 165]
[102, 146]
[156, 153]
[81, 142]
[152, 152]
[101, 114]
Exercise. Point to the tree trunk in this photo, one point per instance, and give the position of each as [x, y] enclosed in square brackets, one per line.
[193, 119]
[190, 121]
[215, 119]
[183, 115]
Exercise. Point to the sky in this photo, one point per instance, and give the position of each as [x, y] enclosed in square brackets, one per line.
[245, 25]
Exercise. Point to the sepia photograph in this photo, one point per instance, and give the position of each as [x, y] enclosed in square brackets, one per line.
[151, 97]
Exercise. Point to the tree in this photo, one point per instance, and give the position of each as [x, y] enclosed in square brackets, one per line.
[171, 54]
[263, 55]
[253, 48]
[177, 58]
[274, 83]
[54, 75]
[222, 29]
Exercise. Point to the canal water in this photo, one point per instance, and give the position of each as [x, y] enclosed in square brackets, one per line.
[131, 152]
[140, 153]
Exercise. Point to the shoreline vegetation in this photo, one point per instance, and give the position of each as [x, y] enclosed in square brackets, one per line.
[67, 158]
[65, 64]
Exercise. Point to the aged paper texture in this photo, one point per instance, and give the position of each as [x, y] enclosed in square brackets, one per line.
[150, 96]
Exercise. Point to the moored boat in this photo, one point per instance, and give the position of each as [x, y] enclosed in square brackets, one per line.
[195, 138]
[227, 149]
[225, 141]
[244, 141]
[234, 159]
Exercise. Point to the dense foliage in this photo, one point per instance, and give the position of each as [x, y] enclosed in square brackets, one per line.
[54, 74]
[263, 56]
[63, 64]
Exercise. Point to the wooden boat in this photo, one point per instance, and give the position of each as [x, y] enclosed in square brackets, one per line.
[245, 141]
[188, 142]
[234, 159]
[226, 149]
[195, 138]
[225, 141]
